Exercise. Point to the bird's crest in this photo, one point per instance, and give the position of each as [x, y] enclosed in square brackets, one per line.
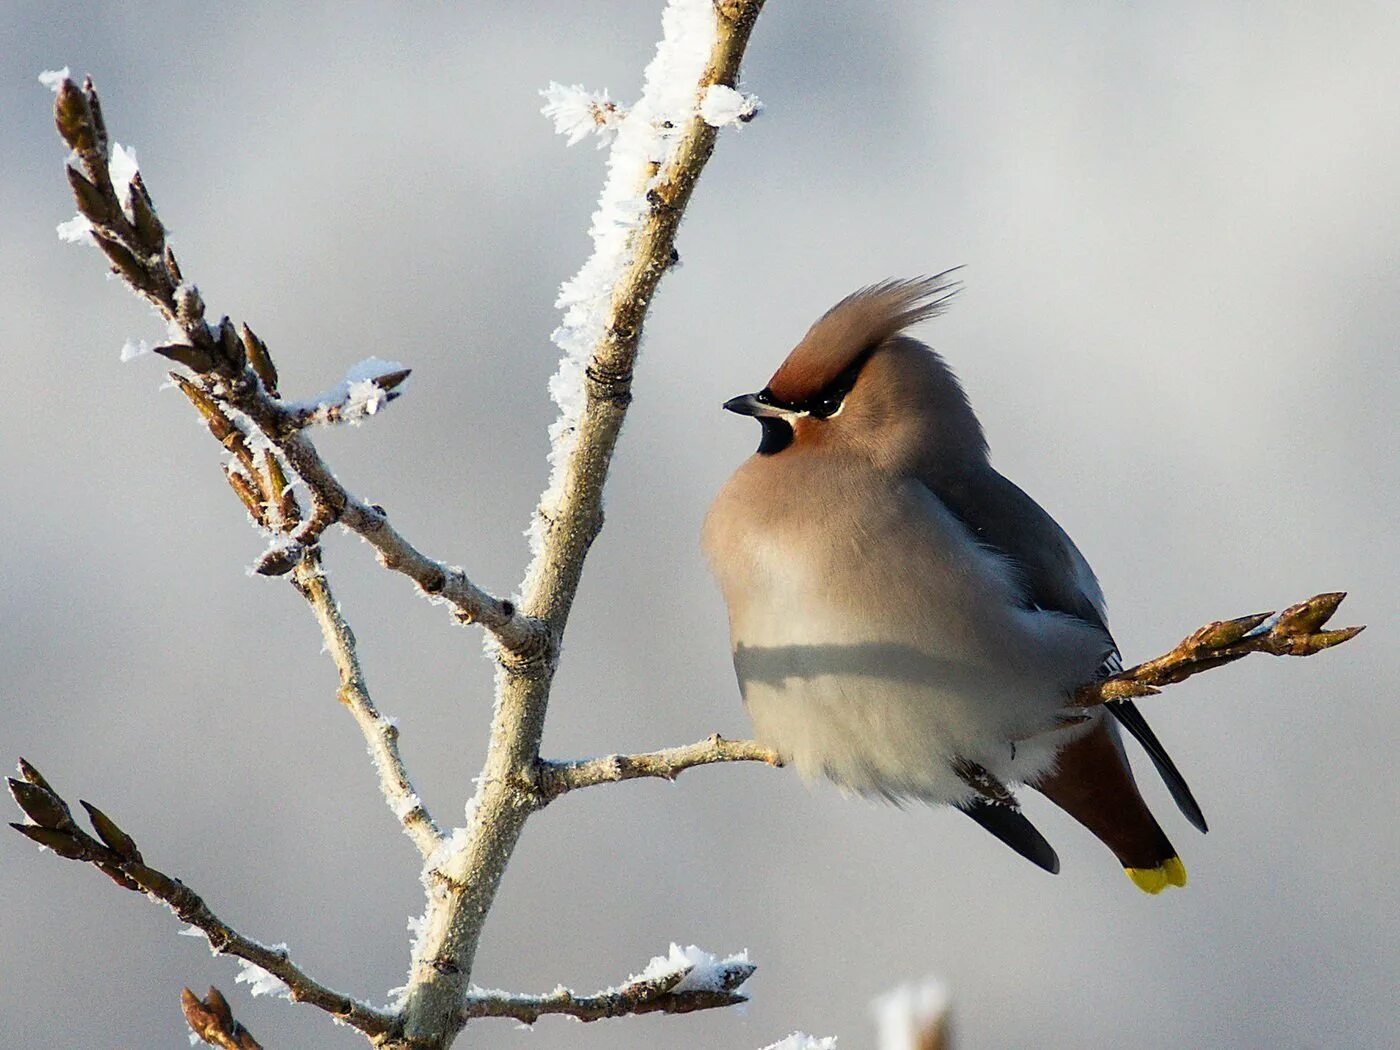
[855, 327]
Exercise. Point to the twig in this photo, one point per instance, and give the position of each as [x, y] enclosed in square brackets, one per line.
[463, 884]
[234, 368]
[556, 778]
[117, 856]
[381, 734]
[674, 992]
[1294, 632]
[212, 1020]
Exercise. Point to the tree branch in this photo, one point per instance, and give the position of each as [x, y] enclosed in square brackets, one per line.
[556, 778]
[1294, 632]
[234, 369]
[657, 157]
[707, 985]
[117, 856]
[381, 734]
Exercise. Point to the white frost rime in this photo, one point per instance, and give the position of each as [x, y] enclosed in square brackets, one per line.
[648, 135]
[259, 981]
[53, 78]
[724, 106]
[578, 113]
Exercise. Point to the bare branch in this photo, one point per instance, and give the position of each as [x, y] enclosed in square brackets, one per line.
[212, 1020]
[678, 991]
[1294, 632]
[556, 778]
[381, 734]
[118, 857]
[235, 370]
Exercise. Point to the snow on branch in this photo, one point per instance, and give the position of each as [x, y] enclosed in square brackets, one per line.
[1297, 631]
[683, 981]
[803, 1041]
[50, 824]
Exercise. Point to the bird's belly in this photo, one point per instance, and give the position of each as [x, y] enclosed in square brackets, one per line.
[892, 718]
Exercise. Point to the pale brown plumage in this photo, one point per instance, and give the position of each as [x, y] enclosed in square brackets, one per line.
[905, 620]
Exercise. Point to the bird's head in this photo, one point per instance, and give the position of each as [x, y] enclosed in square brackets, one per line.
[855, 383]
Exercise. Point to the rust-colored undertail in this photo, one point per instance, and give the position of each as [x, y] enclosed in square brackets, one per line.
[1094, 784]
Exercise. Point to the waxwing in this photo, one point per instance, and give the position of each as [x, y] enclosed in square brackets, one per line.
[904, 620]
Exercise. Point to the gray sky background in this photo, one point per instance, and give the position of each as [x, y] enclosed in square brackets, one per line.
[1180, 229]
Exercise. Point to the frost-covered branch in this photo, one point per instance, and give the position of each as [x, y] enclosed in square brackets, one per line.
[685, 981]
[212, 1020]
[555, 778]
[381, 734]
[50, 824]
[234, 370]
[1297, 631]
[660, 149]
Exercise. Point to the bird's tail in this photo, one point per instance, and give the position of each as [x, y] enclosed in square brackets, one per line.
[1094, 784]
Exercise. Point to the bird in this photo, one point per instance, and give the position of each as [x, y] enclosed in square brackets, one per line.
[904, 620]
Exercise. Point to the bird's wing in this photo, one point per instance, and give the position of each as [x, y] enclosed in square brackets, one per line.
[1009, 825]
[1054, 575]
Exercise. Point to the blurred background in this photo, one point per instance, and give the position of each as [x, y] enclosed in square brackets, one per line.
[1182, 244]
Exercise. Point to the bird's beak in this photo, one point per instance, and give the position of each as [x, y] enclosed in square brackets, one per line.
[750, 405]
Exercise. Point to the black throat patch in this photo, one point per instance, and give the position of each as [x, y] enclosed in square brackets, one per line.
[777, 435]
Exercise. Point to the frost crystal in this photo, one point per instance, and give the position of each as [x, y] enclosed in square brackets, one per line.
[803, 1041]
[123, 168]
[723, 106]
[76, 230]
[259, 981]
[578, 113]
[53, 78]
[133, 348]
[648, 135]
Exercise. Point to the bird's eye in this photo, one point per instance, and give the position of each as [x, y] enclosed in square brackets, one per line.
[763, 397]
[827, 406]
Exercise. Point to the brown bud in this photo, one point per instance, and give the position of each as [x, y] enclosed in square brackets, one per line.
[118, 876]
[280, 560]
[61, 842]
[32, 775]
[245, 492]
[1306, 617]
[189, 307]
[389, 380]
[1226, 632]
[124, 261]
[91, 202]
[192, 357]
[99, 123]
[260, 359]
[173, 266]
[40, 804]
[73, 117]
[109, 833]
[143, 217]
[230, 346]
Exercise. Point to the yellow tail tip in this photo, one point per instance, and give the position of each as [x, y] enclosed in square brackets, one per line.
[1171, 872]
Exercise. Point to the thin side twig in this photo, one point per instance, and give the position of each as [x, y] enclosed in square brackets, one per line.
[674, 992]
[1297, 631]
[556, 778]
[381, 734]
[51, 825]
